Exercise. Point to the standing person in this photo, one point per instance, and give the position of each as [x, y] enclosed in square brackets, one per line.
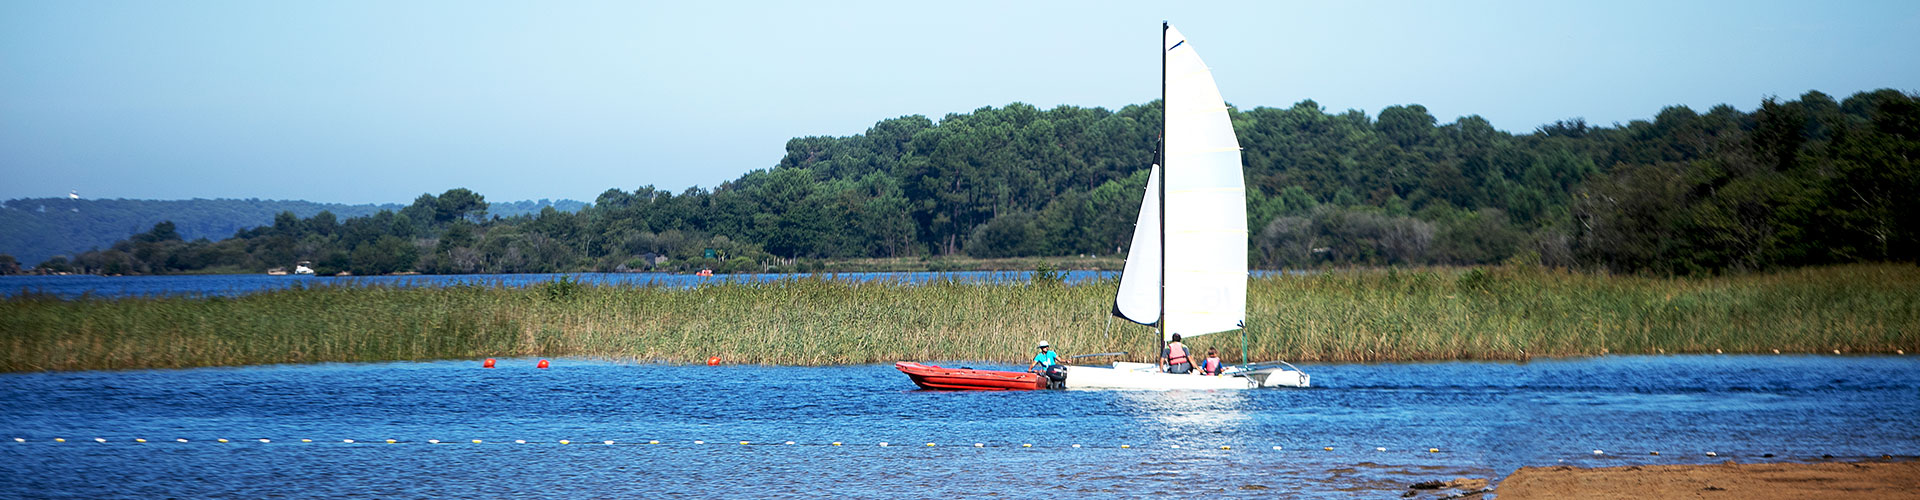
[1174, 358]
[1211, 366]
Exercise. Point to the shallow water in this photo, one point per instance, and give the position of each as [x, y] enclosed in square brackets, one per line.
[1485, 418]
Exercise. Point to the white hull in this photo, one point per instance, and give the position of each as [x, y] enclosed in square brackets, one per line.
[1147, 376]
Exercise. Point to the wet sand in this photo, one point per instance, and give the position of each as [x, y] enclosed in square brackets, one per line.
[1864, 480]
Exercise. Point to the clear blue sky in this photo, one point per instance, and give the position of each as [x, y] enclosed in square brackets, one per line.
[380, 101]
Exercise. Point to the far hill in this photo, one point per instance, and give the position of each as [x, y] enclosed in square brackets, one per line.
[34, 229]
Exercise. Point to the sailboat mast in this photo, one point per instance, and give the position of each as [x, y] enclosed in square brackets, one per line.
[1160, 154]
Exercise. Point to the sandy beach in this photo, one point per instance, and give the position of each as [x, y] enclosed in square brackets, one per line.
[1857, 480]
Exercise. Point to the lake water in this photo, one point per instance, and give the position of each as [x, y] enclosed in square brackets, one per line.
[1380, 421]
[228, 285]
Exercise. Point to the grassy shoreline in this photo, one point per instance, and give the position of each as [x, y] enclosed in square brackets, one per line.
[1362, 315]
[953, 264]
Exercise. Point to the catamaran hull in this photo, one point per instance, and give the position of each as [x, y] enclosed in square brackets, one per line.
[967, 379]
[1145, 376]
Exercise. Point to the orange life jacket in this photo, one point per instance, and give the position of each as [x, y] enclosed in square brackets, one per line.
[1177, 354]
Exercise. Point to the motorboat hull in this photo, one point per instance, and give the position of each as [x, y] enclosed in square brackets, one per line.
[967, 379]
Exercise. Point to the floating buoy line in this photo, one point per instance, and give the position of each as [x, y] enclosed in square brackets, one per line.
[746, 443]
[656, 442]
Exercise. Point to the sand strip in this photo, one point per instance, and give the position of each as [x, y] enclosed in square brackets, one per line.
[1861, 480]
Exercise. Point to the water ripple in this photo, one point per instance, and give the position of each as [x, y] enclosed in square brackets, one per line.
[1380, 421]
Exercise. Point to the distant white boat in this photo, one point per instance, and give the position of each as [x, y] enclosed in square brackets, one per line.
[302, 269]
[1187, 273]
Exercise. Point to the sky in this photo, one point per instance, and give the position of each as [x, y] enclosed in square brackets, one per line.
[379, 101]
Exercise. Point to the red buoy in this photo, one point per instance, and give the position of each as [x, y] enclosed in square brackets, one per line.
[713, 361]
[542, 365]
[487, 364]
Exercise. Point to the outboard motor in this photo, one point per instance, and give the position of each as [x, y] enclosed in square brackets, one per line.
[1056, 377]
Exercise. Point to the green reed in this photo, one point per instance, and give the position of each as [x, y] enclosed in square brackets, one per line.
[1358, 315]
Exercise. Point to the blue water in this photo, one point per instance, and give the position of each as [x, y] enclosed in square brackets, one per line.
[228, 285]
[1486, 418]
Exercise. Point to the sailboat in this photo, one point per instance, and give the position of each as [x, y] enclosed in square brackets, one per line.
[1187, 270]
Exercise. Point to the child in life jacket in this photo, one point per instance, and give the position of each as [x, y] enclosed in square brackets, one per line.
[1212, 365]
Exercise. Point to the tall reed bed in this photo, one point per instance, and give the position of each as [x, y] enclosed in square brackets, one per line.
[1361, 315]
[1519, 312]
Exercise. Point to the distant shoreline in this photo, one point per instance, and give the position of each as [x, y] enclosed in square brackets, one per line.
[805, 266]
[1502, 313]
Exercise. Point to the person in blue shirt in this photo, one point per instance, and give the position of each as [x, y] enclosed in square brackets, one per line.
[1050, 363]
[1212, 366]
[1046, 359]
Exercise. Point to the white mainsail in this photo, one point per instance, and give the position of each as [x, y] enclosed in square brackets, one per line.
[1206, 212]
[1203, 257]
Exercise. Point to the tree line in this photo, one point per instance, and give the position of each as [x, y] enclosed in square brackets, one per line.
[34, 229]
[1796, 182]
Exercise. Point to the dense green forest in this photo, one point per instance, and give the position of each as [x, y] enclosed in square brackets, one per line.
[1794, 182]
[35, 229]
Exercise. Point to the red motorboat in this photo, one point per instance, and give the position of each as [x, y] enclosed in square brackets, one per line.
[968, 379]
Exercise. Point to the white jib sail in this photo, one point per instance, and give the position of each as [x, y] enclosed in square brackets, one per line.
[1139, 297]
[1206, 233]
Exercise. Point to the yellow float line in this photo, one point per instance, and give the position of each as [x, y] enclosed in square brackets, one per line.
[702, 442]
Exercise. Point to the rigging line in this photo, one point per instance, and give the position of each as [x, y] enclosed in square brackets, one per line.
[1243, 341]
